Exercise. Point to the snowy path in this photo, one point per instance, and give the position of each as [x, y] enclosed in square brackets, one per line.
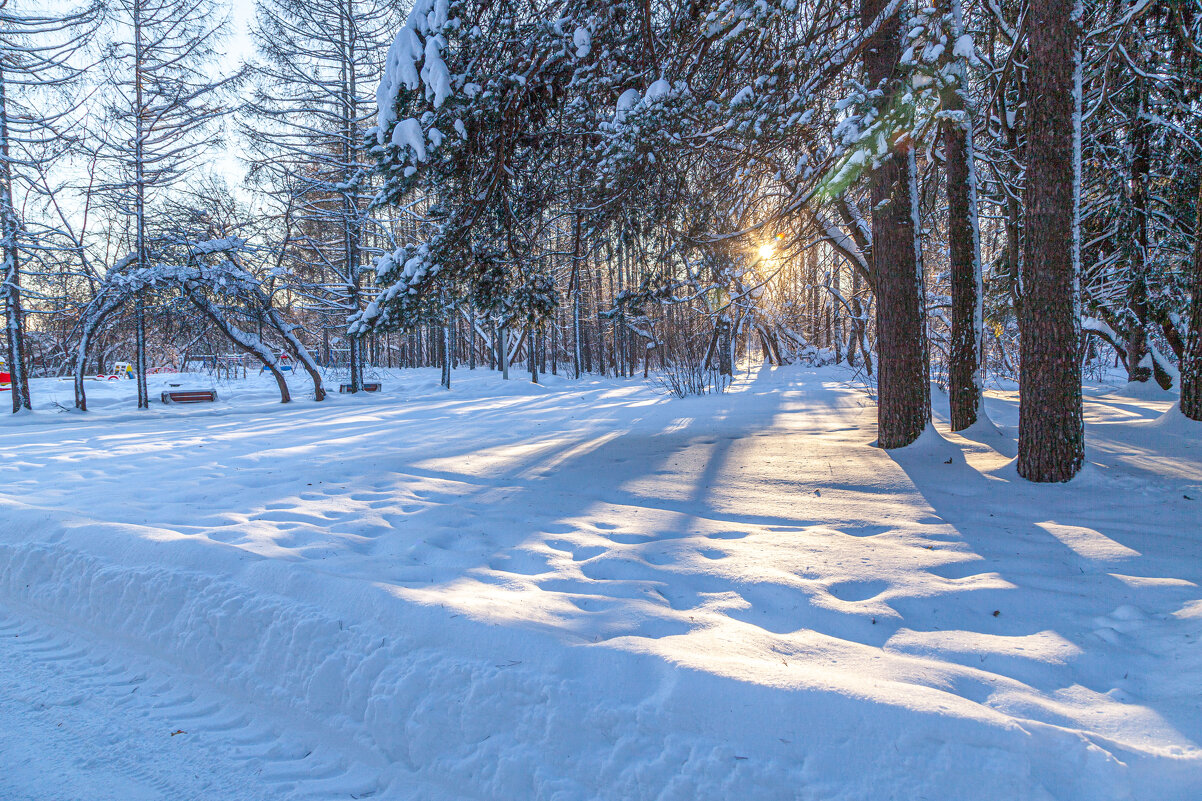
[590, 592]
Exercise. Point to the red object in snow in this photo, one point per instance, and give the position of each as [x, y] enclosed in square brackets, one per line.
[6, 381]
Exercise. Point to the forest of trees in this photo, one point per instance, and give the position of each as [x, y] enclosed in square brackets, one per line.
[925, 192]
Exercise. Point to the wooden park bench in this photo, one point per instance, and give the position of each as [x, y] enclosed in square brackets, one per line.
[189, 395]
[373, 386]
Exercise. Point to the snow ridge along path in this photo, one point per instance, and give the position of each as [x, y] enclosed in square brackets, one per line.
[582, 591]
[100, 723]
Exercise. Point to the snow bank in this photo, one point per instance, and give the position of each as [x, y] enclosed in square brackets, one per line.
[589, 723]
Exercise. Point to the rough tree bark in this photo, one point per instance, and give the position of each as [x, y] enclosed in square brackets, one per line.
[1137, 286]
[448, 347]
[903, 382]
[577, 257]
[502, 354]
[1051, 435]
[1191, 362]
[965, 368]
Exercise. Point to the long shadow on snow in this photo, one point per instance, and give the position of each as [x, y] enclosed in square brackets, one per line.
[1096, 577]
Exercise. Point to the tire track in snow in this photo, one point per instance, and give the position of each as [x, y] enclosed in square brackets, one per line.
[86, 721]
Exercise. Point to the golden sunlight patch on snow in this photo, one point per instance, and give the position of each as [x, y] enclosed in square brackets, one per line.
[1043, 646]
[1087, 542]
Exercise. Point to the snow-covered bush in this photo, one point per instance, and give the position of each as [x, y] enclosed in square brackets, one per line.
[684, 377]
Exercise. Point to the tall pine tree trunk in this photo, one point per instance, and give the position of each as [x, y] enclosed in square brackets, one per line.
[836, 316]
[1137, 285]
[1051, 436]
[471, 339]
[448, 351]
[965, 368]
[532, 349]
[503, 352]
[903, 384]
[1191, 361]
[577, 245]
[815, 311]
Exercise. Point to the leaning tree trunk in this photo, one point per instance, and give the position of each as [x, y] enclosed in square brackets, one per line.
[301, 355]
[1051, 435]
[297, 348]
[246, 341]
[95, 313]
[965, 365]
[903, 378]
[1191, 362]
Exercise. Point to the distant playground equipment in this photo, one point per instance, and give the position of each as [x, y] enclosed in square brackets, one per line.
[217, 365]
[121, 370]
[283, 363]
[229, 365]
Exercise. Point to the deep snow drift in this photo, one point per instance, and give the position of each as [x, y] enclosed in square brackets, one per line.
[585, 590]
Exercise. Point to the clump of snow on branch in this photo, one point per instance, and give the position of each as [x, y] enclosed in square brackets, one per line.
[414, 60]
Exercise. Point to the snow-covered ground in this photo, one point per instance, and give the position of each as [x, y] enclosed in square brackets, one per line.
[588, 591]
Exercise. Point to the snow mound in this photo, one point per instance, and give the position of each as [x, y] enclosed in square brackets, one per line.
[983, 428]
[929, 447]
[1142, 390]
[1174, 421]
